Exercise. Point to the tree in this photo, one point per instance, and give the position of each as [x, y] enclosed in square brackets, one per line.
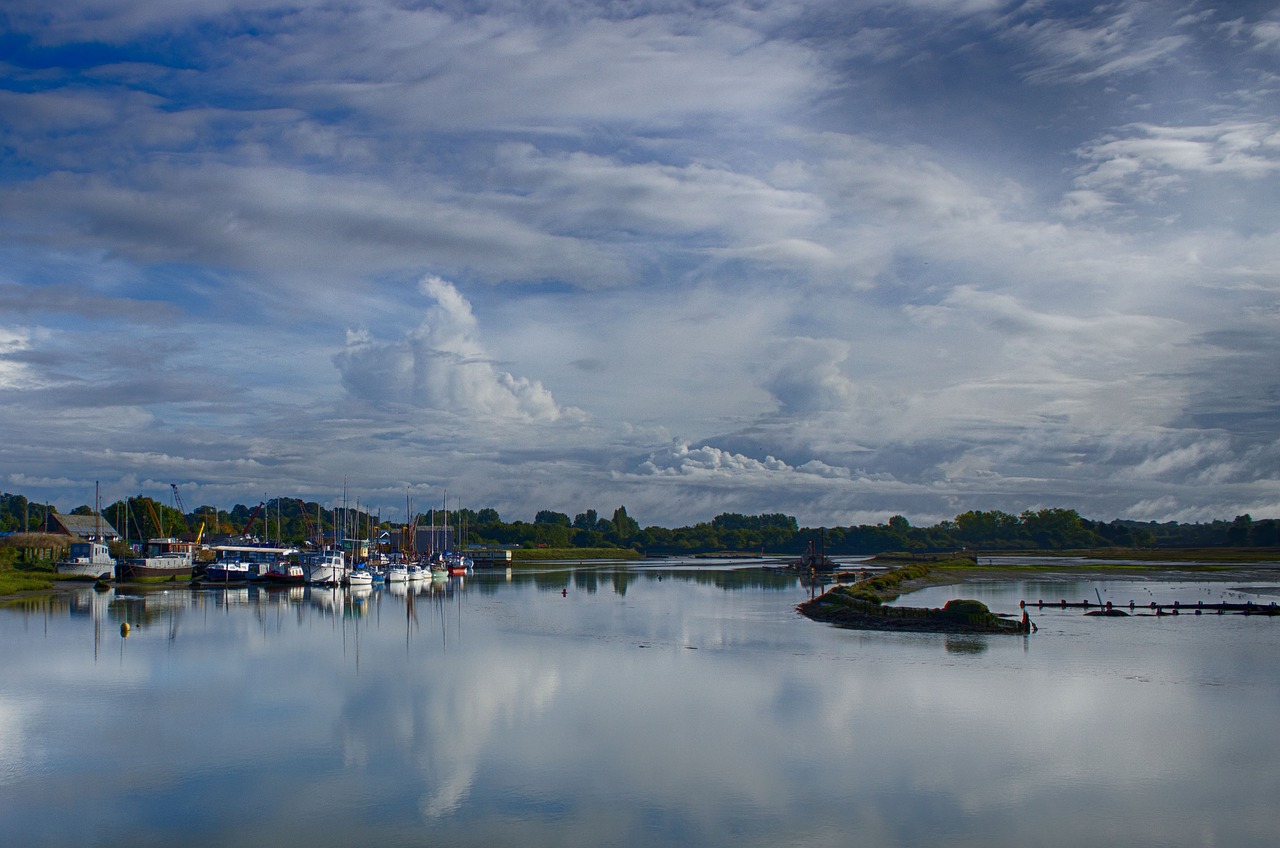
[586, 520]
[625, 527]
[1058, 528]
[1240, 531]
[984, 529]
[552, 534]
[546, 516]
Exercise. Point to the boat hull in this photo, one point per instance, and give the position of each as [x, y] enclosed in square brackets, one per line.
[327, 570]
[162, 559]
[89, 560]
[143, 571]
[292, 575]
[229, 573]
[90, 570]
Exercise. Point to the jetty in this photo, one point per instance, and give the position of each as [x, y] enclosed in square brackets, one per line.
[1154, 608]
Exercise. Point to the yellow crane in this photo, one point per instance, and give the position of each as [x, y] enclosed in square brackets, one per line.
[155, 519]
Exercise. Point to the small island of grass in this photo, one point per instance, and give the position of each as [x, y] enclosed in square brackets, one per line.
[860, 606]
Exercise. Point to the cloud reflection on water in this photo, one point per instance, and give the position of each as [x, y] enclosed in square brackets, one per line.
[627, 713]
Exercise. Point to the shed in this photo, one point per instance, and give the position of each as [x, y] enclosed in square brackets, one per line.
[83, 526]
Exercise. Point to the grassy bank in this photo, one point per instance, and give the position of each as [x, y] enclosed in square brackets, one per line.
[1156, 556]
[23, 578]
[1127, 557]
[905, 575]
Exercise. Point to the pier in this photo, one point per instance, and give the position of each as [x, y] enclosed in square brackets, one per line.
[1153, 608]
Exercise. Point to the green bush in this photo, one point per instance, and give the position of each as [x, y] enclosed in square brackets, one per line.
[963, 607]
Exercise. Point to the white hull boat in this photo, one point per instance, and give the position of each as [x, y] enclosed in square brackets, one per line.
[88, 559]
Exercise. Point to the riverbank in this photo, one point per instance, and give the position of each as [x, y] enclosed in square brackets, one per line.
[521, 556]
[1154, 556]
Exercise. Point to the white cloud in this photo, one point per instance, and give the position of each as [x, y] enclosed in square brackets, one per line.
[1113, 40]
[807, 378]
[14, 372]
[442, 366]
[1266, 34]
[1154, 160]
[708, 461]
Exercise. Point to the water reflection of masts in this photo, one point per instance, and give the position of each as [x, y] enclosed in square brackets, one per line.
[410, 619]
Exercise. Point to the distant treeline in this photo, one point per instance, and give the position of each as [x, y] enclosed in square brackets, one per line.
[295, 522]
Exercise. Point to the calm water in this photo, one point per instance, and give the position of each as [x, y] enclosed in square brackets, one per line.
[633, 707]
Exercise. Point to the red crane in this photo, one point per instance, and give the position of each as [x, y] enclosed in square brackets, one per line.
[252, 518]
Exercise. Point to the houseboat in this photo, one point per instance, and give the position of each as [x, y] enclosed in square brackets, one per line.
[162, 559]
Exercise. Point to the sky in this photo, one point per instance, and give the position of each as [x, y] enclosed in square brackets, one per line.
[839, 260]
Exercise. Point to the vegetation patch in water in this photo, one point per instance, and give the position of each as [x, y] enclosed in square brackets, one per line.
[859, 606]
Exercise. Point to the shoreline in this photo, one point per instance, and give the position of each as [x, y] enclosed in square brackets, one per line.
[1049, 568]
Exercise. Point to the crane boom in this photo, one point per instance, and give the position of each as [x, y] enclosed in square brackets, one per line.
[155, 519]
[306, 519]
[252, 518]
[177, 500]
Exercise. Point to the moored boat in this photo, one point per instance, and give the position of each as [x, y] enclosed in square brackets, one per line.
[227, 571]
[457, 564]
[162, 559]
[257, 560]
[285, 573]
[359, 577]
[326, 568]
[88, 559]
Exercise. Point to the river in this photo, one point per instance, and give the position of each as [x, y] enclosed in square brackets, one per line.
[640, 705]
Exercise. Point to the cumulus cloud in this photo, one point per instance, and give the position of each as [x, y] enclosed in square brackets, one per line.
[708, 461]
[806, 377]
[442, 365]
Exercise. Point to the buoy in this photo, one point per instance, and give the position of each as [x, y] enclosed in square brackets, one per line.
[124, 630]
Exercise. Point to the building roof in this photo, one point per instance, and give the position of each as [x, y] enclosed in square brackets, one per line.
[84, 526]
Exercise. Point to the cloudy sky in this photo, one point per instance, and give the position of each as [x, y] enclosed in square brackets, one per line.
[835, 259]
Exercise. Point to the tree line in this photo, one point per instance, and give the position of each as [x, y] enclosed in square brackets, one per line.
[296, 522]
